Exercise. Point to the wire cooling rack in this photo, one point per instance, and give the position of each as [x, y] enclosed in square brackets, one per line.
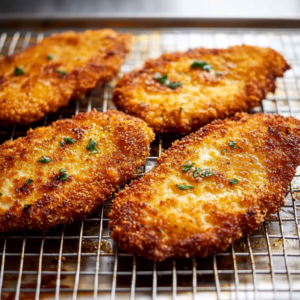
[80, 261]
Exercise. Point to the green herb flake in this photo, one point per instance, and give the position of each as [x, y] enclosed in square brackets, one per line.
[180, 110]
[219, 73]
[206, 173]
[26, 207]
[49, 57]
[223, 151]
[161, 79]
[202, 65]
[174, 85]
[60, 72]
[28, 181]
[18, 71]
[92, 146]
[185, 187]
[1, 194]
[232, 145]
[94, 151]
[196, 172]
[186, 168]
[45, 160]
[207, 68]
[62, 143]
[63, 175]
[233, 181]
[69, 140]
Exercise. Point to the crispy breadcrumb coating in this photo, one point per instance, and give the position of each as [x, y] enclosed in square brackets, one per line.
[65, 171]
[224, 81]
[177, 210]
[61, 67]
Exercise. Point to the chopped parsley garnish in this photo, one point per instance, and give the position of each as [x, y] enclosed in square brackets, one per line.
[163, 79]
[206, 173]
[1, 194]
[202, 65]
[60, 72]
[185, 187]
[233, 181]
[94, 151]
[180, 110]
[18, 71]
[62, 143]
[174, 85]
[223, 151]
[92, 146]
[26, 207]
[196, 172]
[63, 175]
[203, 173]
[186, 168]
[28, 181]
[45, 160]
[49, 57]
[232, 145]
[219, 73]
[69, 140]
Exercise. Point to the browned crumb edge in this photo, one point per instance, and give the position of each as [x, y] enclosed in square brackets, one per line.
[78, 199]
[253, 92]
[146, 242]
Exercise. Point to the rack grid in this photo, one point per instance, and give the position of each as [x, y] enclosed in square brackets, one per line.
[80, 261]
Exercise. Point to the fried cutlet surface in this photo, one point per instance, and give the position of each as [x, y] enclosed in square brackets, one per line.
[245, 163]
[224, 82]
[37, 193]
[61, 67]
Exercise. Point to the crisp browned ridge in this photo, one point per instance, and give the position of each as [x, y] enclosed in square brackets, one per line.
[61, 67]
[154, 218]
[248, 73]
[123, 143]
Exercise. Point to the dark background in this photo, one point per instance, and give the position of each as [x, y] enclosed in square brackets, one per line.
[174, 8]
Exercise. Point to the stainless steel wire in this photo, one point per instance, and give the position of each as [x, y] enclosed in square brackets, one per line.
[17, 296]
[59, 264]
[39, 277]
[133, 278]
[78, 263]
[270, 257]
[71, 261]
[98, 256]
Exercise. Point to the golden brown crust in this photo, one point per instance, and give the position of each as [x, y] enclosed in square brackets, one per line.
[248, 74]
[123, 145]
[89, 58]
[153, 218]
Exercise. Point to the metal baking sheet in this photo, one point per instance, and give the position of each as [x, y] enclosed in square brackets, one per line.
[80, 261]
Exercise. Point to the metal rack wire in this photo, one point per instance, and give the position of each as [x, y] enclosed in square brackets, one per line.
[80, 261]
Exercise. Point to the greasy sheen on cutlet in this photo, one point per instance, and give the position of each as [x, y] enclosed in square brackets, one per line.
[63, 66]
[90, 155]
[246, 163]
[240, 78]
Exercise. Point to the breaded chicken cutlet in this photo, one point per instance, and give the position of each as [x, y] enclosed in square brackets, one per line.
[209, 188]
[65, 171]
[43, 78]
[182, 91]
